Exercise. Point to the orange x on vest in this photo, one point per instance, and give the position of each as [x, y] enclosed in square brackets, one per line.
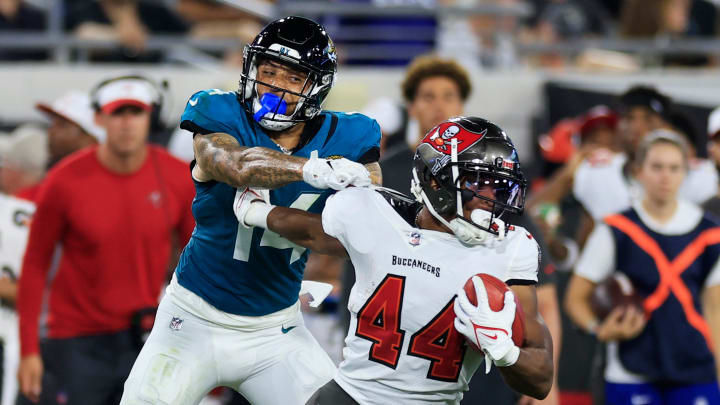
[670, 272]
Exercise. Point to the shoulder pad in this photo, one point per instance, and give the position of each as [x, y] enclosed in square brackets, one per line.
[405, 206]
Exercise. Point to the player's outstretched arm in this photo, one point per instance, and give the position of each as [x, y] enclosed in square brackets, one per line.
[532, 374]
[220, 157]
[305, 229]
[297, 226]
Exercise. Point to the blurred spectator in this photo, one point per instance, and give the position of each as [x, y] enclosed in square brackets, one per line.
[565, 225]
[653, 18]
[15, 217]
[434, 90]
[597, 140]
[23, 160]
[129, 22]
[646, 19]
[670, 359]
[17, 15]
[114, 209]
[558, 20]
[72, 128]
[642, 109]
[215, 19]
[72, 125]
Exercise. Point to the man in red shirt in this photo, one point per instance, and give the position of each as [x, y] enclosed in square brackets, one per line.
[114, 209]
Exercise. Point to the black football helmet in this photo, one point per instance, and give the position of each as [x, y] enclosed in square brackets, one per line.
[468, 157]
[302, 44]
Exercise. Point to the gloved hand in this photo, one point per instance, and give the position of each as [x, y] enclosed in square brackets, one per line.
[334, 173]
[251, 208]
[472, 235]
[491, 331]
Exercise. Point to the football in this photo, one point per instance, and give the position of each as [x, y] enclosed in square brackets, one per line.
[496, 289]
[617, 290]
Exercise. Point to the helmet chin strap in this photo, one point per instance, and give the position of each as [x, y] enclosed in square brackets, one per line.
[466, 232]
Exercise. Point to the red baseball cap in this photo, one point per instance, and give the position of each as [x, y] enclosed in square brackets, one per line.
[596, 117]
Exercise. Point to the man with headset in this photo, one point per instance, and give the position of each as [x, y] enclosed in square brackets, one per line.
[114, 210]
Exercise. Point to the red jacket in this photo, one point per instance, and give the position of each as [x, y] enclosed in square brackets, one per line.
[114, 232]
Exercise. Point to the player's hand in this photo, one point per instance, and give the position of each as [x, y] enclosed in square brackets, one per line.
[334, 173]
[251, 207]
[30, 374]
[622, 323]
[491, 331]
[242, 203]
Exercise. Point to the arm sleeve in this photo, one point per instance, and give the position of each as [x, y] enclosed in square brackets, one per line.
[597, 260]
[524, 267]
[46, 229]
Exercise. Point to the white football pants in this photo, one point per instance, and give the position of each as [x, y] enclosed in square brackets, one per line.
[194, 347]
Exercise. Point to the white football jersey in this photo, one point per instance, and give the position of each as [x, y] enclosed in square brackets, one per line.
[402, 346]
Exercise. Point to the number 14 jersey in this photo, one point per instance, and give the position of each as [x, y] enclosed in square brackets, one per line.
[402, 346]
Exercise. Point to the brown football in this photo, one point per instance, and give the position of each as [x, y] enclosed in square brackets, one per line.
[496, 289]
[617, 290]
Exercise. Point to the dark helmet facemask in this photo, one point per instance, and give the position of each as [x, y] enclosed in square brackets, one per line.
[301, 45]
[270, 109]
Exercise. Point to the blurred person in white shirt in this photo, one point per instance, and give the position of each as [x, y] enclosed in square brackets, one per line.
[15, 215]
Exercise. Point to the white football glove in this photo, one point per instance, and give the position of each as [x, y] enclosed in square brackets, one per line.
[472, 235]
[334, 173]
[251, 207]
[491, 331]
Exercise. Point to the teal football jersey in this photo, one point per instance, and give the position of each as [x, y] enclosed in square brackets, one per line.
[253, 271]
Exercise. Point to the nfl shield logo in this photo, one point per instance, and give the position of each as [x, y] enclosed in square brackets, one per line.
[415, 238]
[176, 323]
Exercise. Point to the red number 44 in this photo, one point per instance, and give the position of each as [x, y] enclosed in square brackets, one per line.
[379, 322]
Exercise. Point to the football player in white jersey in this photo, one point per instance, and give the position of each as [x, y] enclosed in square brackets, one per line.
[15, 217]
[407, 337]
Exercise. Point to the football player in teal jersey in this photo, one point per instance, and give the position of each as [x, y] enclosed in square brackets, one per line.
[231, 315]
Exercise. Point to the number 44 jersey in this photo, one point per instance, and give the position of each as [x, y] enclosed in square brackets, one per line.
[402, 346]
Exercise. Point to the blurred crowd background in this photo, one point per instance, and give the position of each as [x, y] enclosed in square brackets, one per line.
[570, 80]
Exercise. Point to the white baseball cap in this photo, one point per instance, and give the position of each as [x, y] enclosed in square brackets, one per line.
[123, 92]
[75, 106]
[714, 123]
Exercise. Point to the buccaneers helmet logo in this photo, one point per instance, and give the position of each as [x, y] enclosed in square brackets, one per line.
[440, 139]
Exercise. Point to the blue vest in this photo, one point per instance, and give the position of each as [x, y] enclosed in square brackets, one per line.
[673, 347]
[255, 272]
